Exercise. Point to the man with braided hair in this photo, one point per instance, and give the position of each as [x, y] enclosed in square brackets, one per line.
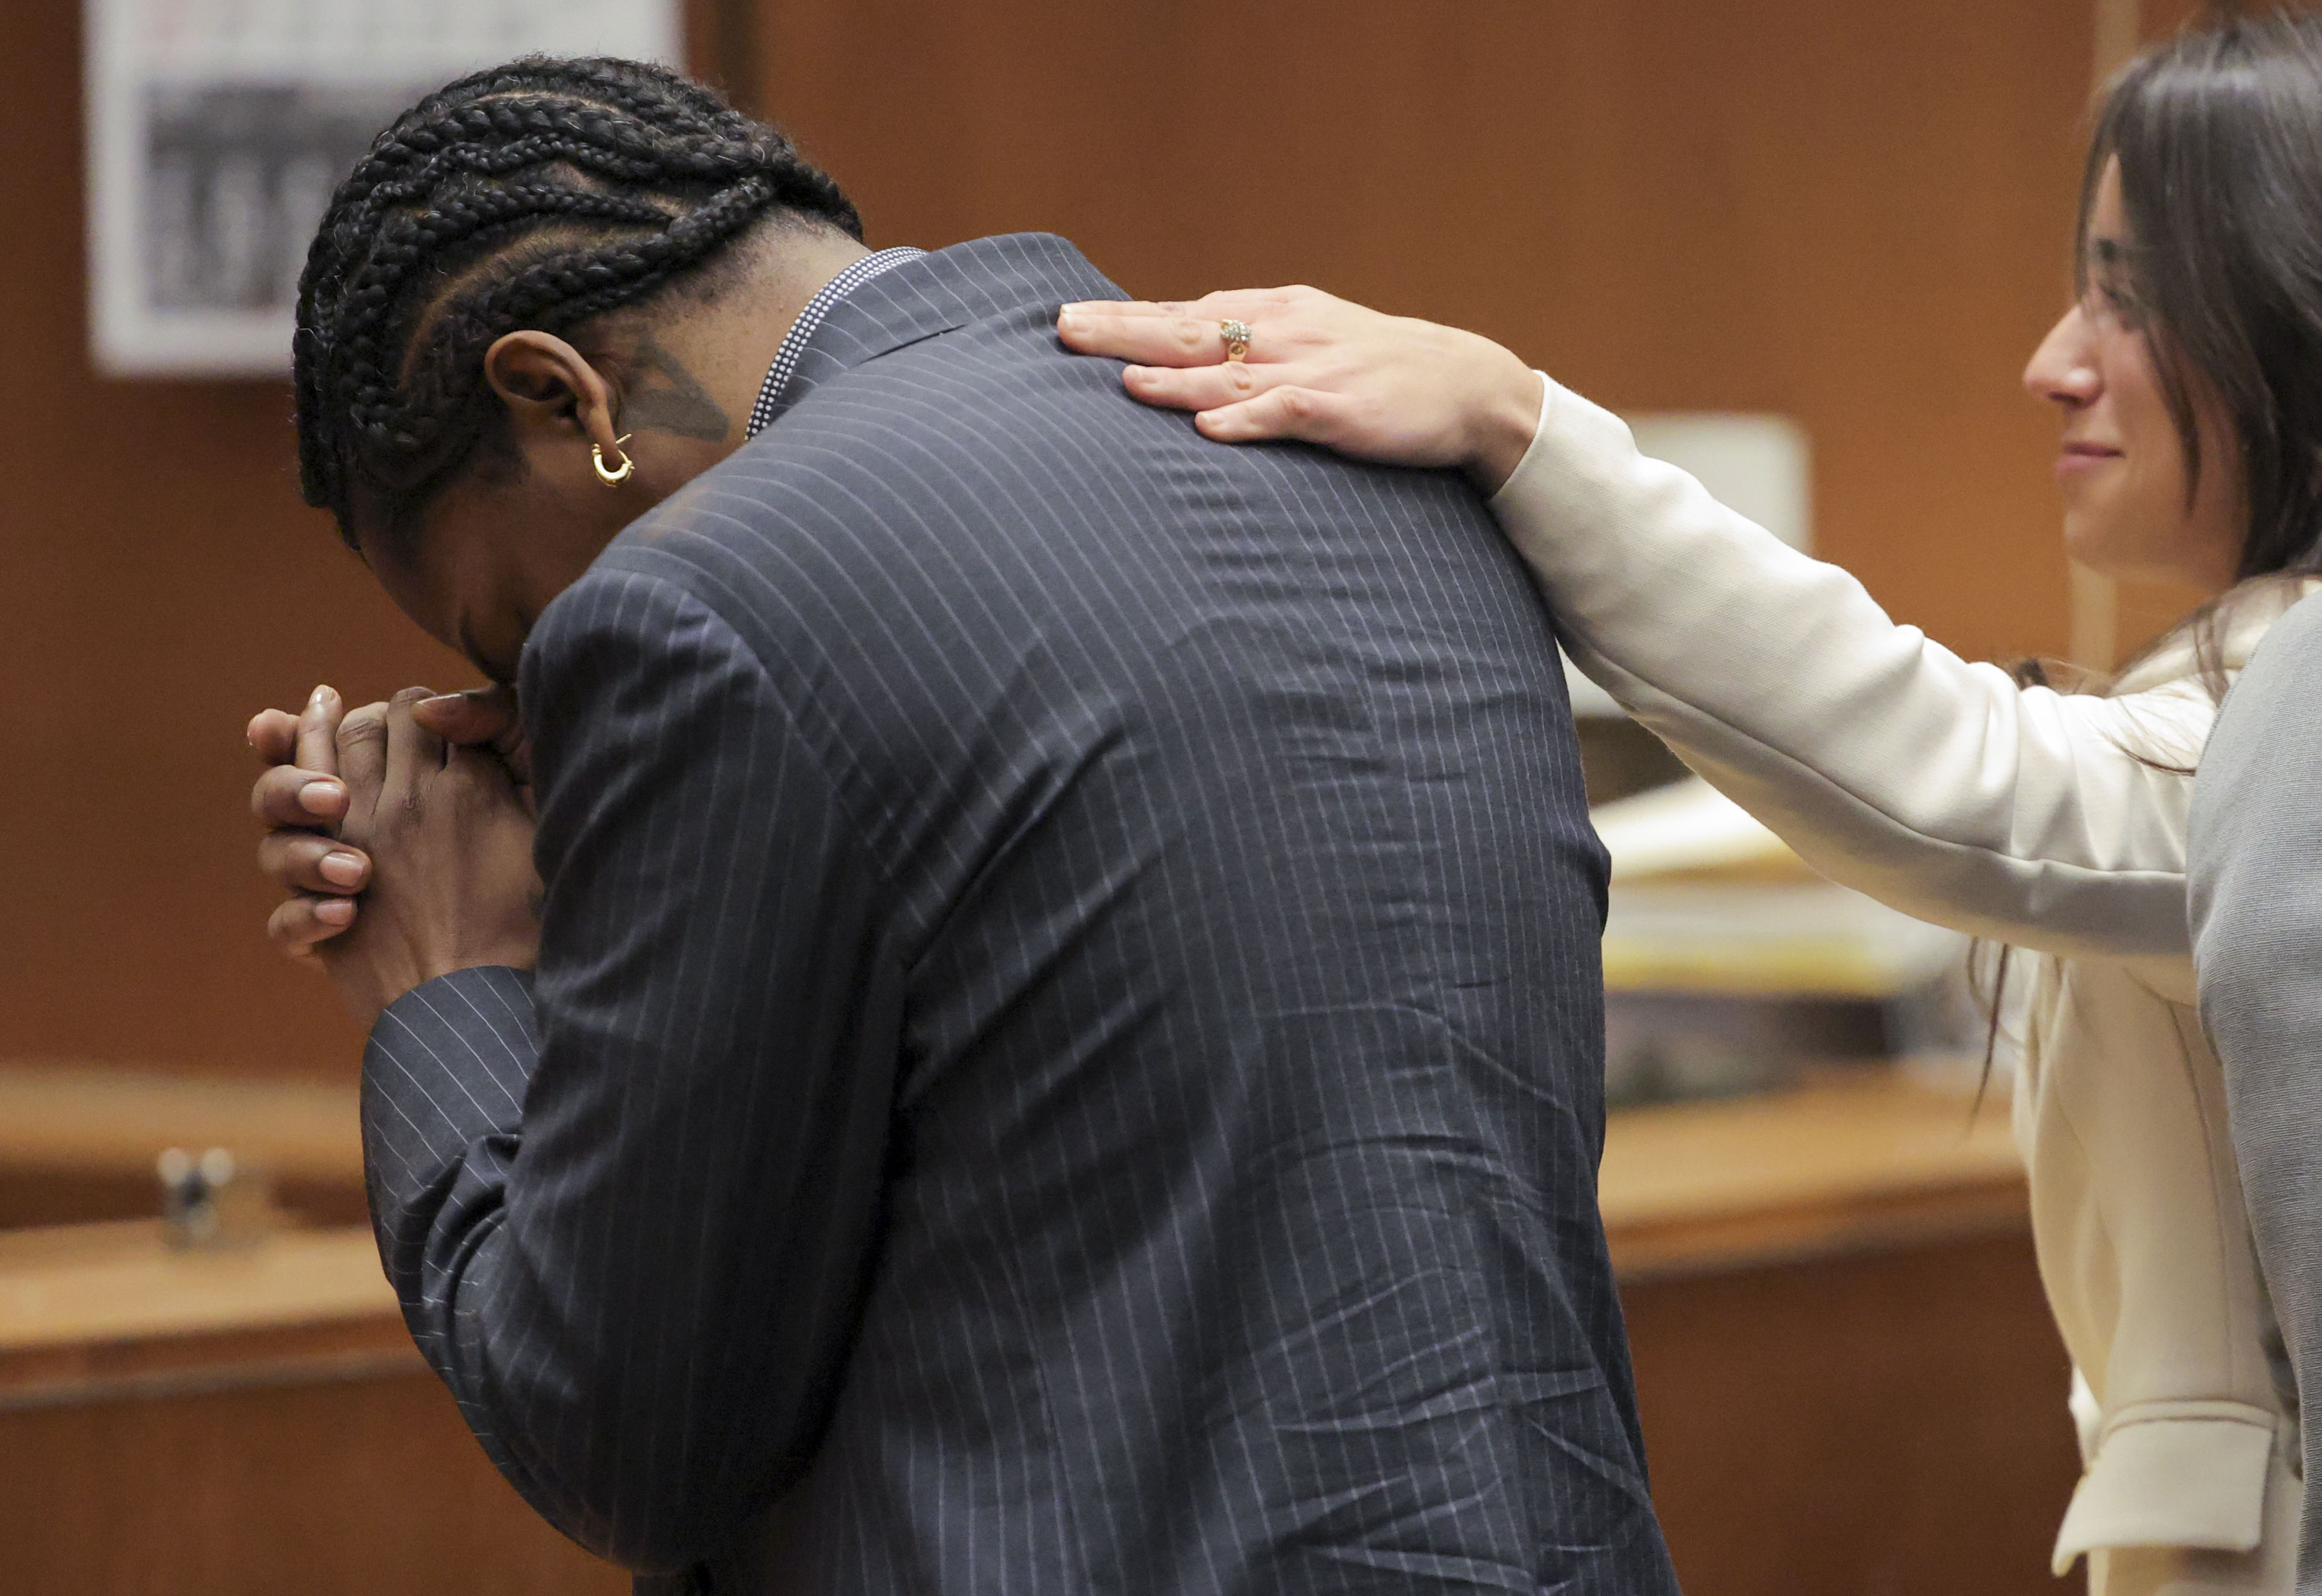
[1059, 1047]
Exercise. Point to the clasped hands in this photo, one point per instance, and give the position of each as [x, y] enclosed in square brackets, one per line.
[401, 834]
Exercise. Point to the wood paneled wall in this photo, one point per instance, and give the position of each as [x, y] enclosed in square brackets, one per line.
[160, 582]
[1857, 215]
[1854, 214]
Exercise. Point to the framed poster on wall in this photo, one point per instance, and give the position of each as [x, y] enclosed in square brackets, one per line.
[217, 130]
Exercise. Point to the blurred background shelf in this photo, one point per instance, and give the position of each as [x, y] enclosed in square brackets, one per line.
[78, 1142]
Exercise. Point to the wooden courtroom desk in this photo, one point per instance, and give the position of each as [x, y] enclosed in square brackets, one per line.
[230, 1423]
[241, 1424]
[1848, 1378]
[1849, 1381]
[1859, 1160]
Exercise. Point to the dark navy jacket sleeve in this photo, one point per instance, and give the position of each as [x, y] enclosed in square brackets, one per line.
[628, 1204]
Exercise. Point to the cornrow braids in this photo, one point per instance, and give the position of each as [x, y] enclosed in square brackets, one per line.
[540, 194]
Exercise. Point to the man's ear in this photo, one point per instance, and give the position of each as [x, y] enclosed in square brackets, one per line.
[551, 392]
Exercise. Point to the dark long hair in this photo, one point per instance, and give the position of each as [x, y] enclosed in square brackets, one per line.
[2218, 135]
[540, 194]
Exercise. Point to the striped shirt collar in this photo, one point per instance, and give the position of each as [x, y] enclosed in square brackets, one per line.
[786, 358]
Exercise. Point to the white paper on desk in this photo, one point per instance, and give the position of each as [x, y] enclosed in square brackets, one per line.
[217, 130]
[1687, 825]
[1692, 909]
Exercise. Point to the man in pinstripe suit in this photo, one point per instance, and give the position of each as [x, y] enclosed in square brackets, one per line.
[1064, 1052]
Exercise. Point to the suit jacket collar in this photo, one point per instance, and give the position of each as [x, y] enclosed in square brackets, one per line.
[921, 298]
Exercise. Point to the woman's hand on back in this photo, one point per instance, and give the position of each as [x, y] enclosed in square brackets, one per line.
[1323, 370]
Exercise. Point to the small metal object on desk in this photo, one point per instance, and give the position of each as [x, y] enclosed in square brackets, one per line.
[214, 1200]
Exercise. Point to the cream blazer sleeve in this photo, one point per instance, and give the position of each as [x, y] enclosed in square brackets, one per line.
[1888, 762]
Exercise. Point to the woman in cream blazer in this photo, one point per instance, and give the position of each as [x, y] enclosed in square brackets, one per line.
[2188, 377]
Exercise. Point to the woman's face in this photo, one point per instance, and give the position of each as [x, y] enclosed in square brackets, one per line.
[2124, 470]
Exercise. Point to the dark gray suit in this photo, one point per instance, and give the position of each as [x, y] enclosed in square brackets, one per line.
[2253, 886]
[1069, 1004]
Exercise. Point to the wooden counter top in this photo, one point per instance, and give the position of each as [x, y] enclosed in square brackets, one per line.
[113, 1282]
[1855, 1161]
[93, 1311]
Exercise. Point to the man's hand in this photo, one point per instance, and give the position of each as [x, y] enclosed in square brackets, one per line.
[300, 801]
[449, 841]
[483, 718]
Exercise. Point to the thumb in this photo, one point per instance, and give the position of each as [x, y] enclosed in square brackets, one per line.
[480, 717]
[470, 719]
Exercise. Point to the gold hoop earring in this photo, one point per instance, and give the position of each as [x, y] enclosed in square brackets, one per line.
[605, 474]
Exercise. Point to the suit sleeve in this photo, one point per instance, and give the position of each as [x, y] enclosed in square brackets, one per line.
[2255, 897]
[1888, 762]
[628, 1203]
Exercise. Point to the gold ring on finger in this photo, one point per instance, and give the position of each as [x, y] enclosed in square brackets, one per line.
[1236, 337]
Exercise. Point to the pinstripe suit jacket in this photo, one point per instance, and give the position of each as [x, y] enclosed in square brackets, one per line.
[1065, 1050]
